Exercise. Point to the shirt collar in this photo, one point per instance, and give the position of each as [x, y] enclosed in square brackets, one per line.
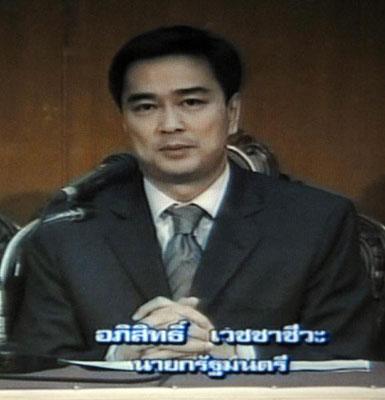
[210, 200]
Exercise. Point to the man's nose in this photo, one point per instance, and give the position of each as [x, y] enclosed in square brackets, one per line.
[170, 120]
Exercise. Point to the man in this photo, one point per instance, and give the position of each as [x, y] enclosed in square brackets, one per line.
[257, 253]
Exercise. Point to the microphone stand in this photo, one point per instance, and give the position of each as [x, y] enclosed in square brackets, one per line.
[12, 361]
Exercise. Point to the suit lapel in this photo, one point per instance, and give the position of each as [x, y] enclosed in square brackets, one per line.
[130, 233]
[233, 235]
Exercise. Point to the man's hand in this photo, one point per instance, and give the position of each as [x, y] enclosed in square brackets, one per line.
[161, 312]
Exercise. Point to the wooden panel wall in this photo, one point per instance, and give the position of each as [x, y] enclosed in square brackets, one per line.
[314, 89]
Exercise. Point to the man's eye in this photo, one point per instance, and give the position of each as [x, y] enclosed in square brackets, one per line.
[143, 107]
[193, 102]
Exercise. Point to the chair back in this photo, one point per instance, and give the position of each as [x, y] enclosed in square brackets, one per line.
[7, 230]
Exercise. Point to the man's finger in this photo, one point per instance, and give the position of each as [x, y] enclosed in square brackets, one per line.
[150, 306]
[194, 331]
[197, 332]
[159, 302]
[175, 312]
[192, 315]
[163, 307]
[189, 301]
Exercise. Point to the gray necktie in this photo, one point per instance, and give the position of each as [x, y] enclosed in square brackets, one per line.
[183, 253]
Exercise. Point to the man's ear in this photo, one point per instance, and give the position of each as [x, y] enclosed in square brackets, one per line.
[234, 112]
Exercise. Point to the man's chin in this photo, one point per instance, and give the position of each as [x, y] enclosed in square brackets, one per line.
[179, 173]
[180, 177]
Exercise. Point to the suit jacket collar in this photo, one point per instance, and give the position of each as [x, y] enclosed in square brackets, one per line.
[243, 185]
[130, 232]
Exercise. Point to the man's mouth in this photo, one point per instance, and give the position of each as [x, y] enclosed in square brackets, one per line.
[176, 147]
[176, 151]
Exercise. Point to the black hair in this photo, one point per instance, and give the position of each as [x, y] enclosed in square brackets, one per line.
[221, 55]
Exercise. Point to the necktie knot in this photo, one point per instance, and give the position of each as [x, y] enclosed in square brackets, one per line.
[185, 218]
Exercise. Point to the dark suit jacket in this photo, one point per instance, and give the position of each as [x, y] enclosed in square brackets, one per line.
[279, 253]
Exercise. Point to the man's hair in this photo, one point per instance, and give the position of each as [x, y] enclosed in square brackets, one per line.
[221, 55]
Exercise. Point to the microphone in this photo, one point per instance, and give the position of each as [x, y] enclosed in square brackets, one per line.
[113, 168]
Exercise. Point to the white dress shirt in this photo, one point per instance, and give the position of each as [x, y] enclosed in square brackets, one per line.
[210, 201]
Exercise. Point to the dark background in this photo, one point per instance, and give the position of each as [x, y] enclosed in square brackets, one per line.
[314, 89]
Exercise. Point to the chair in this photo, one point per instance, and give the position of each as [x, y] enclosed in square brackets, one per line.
[372, 241]
[7, 230]
[250, 154]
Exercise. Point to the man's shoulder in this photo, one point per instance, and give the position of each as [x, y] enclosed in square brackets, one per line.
[289, 194]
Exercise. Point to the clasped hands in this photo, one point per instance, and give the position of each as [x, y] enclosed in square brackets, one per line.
[161, 312]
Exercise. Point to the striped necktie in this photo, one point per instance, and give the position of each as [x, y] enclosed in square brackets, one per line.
[183, 253]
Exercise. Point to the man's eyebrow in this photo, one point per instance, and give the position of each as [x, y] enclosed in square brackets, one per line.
[193, 90]
[132, 98]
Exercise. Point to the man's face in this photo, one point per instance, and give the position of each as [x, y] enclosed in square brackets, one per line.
[175, 113]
